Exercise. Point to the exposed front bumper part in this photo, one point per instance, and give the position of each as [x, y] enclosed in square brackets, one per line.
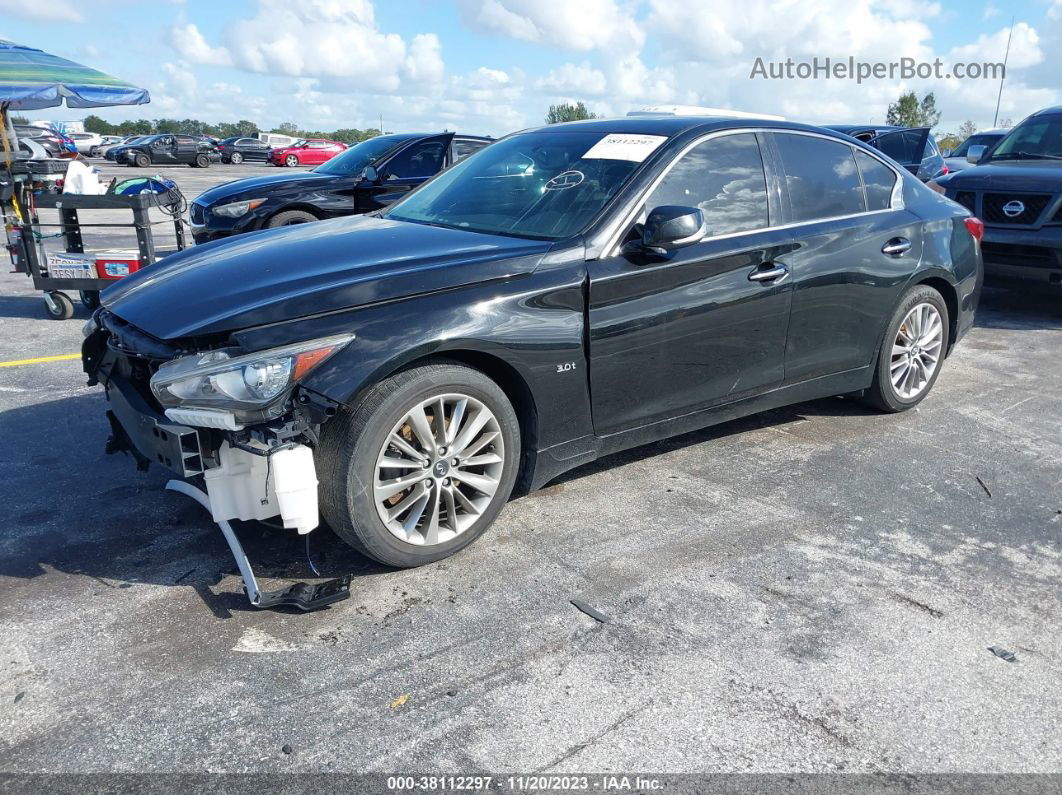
[302, 595]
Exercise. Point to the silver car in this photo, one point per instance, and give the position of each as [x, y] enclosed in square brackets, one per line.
[956, 159]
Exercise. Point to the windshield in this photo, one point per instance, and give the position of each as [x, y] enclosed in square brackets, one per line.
[1040, 137]
[544, 185]
[981, 139]
[354, 159]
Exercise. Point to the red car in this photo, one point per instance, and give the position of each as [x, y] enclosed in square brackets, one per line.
[307, 152]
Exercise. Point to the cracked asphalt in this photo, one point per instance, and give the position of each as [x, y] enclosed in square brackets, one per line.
[811, 589]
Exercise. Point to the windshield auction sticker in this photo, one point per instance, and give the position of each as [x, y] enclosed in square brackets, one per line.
[625, 146]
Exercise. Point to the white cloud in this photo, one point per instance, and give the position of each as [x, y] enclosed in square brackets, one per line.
[51, 11]
[580, 25]
[328, 39]
[582, 80]
[189, 42]
[1024, 48]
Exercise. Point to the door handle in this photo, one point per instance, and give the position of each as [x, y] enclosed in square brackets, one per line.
[769, 272]
[896, 247]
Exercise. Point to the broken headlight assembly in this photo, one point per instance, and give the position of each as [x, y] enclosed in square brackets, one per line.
[224, 389]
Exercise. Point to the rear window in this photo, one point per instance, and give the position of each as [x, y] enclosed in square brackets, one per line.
[821, 176]
[878, 181]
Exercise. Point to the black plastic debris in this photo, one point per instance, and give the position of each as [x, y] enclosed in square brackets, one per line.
[1003, 654]
[287, 749]
[594, 613]
[983, 486]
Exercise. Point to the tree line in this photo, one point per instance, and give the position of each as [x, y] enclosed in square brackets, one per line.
[226, 129]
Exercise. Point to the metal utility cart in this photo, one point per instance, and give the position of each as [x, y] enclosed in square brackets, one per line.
[87, 274]
[31, 79]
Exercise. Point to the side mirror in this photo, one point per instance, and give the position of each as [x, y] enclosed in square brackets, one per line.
[946, 152]
[672, 226]
[371, 174]
[973, 154]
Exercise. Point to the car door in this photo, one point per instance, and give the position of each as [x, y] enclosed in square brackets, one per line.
[163, 150]
[907, 147]
[706, 324]
[408, 168]
[857, 247]
[257, 150]
[186, 148]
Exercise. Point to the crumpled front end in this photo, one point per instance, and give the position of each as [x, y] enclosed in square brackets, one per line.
[238, 419]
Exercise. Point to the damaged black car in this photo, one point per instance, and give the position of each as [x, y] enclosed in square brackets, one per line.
[562, 294]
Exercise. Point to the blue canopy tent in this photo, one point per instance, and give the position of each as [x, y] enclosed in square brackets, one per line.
[32, 79]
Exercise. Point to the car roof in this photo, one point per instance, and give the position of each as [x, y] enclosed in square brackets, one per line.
[1048, 111]
[672, 126]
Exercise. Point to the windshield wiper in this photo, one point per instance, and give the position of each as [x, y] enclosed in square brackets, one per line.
[1038, 156]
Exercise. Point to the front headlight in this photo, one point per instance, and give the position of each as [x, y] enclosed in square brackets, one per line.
[237, 209]
[248, 383]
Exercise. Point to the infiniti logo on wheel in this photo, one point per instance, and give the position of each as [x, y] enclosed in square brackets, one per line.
[1013, 209]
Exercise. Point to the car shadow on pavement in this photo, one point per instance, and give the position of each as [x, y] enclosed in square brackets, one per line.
[827, 407]
[1020, 307]
[73, 510]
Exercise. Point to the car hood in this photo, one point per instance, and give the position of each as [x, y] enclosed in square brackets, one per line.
[253, 187]
[282, 274]
[1009, 175]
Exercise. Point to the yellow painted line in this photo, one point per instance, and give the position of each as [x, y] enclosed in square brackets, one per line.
[62, 357]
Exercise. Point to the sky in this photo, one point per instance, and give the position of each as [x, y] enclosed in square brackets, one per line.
[494, 66]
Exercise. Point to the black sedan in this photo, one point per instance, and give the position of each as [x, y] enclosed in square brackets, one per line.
[241, 148]
[365, 177]
[563, 294]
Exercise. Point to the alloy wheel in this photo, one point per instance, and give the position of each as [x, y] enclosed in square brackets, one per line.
[292, 161]
[236, 158]
[916, 351]
[439, 469]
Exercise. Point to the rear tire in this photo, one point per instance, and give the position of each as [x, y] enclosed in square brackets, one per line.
[235, 158]
[202, 161]
[912, 351]
[453, 513]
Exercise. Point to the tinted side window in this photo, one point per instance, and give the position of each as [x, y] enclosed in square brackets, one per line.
[185, 139]
[724, 177]
[419, 160]
[463, 149]
[903, 146]
[878, 181]
[822, 177]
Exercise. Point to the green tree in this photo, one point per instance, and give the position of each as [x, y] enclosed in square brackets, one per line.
[168, 126]
[19, 120]
[568, 112]
[966, 129]
[94, 124]
[909, 111]
[286, 128]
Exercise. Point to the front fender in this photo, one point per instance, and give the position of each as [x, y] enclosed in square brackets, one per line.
[534, 324]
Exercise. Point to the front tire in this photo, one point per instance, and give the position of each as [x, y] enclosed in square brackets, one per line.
[291, 161]
[289, 218]
[912, 351]
[390, 486]
[142, 161]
